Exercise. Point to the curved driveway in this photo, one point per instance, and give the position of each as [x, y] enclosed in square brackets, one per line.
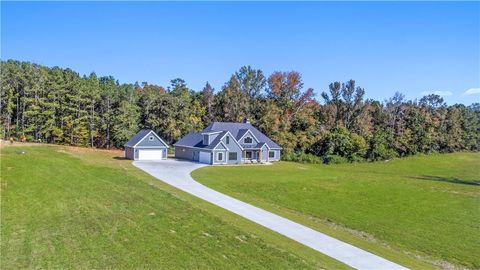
[177, 174]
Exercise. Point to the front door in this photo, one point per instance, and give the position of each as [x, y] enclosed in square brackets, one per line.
[248, 154]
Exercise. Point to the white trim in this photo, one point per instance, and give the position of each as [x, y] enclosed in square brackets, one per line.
[215, 156]
[193, 147]
[156, 147]
[231, 136]
[143, 138]
[211, 132]
[162, 151]
[224, 145]
[223, 156]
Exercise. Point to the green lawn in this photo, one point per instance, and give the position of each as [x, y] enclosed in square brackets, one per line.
[65, 207]
[426, 206]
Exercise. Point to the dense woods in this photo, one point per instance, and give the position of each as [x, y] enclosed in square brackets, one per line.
[56, 105]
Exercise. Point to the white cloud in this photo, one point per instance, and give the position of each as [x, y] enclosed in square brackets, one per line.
[471, 91]
[438, 92]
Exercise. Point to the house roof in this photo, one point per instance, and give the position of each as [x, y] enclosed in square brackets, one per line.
[240, 134]
[239, 129]
[139, 136]
[217, 140]
[196, 140]
[193, 139]
[236, 129]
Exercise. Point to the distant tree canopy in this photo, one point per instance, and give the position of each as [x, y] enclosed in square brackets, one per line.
[56, 105]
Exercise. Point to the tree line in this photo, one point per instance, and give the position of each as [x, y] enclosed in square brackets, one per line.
[56, 105]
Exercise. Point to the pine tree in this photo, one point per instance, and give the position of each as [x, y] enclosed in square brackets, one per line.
[125, 122]
[208, 102]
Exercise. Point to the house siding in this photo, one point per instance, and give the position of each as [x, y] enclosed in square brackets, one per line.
[146, 142]
[186, 153]
[277, 155]
[220, 147]
[208, 138]
[224, 157]
[232, 147]
[248, 134]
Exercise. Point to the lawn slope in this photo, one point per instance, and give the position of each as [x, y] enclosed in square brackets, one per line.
[67, 207]
[426, 206]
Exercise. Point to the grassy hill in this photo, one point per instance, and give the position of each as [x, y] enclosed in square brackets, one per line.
[424, 207]
[64, 207]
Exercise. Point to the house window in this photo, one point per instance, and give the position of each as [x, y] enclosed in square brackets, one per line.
[232, 156]
[150, 138]
[247, 140]
[220, 156]
[271, 154]
[228, 139]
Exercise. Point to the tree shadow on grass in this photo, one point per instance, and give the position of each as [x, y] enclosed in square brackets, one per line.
[120, 158]
[452, 180]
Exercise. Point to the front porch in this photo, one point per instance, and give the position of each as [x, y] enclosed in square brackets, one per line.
[254, 156]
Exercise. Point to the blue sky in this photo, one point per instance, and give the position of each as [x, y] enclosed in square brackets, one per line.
[411, 47]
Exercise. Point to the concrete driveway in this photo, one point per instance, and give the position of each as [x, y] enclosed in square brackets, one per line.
[177, 174]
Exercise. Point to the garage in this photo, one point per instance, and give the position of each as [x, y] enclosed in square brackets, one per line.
[146, 145]
[150, 154]
[205, 157]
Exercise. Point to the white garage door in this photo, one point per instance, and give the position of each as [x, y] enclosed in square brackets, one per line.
[150, 154]
[205, 157]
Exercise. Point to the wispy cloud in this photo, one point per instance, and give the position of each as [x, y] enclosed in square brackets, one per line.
[471, 91]
[438, 92]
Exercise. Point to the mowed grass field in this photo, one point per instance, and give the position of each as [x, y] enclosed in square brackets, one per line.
[74, 208]
[427, 207]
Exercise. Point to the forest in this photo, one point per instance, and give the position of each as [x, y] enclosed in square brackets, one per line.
[60, 106]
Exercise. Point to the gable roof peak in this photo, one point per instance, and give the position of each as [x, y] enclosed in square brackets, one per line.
[135, 139]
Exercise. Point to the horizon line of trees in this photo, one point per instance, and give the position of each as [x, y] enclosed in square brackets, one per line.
[56, 105]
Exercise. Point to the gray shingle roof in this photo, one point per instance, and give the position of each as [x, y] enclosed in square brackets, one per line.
[236, 129]
[240, 134]
[192, 139]
[217, 139]
[196, 140]
[137, 137]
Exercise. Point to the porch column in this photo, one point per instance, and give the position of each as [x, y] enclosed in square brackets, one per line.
[260, 155]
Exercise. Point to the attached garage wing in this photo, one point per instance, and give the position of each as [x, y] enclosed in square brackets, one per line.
[150, 154]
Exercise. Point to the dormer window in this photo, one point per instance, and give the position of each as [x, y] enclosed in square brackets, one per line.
[150, 138]
[247, 140]
[228, 139]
